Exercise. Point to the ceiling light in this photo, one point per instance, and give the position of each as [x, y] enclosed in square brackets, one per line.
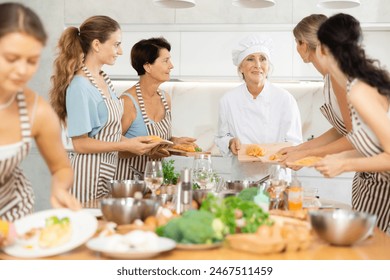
[175, 4]
[338, 4]
[253, 3]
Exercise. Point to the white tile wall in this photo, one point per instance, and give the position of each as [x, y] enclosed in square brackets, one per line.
[202, 37]
[123, 68]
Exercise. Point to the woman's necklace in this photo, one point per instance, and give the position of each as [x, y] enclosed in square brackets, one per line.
[8, 103]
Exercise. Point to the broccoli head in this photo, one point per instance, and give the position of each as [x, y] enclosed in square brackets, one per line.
[171, 230]
[194, 227]
[248, 194]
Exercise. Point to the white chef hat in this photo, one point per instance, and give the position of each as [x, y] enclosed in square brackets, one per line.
[251, 44]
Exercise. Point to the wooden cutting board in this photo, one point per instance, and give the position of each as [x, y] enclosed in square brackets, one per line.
[177, 152]
[270, 149]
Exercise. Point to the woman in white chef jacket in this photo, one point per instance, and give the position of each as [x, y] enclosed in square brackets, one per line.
[256, 111]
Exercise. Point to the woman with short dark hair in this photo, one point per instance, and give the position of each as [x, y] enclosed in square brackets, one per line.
[147, 109]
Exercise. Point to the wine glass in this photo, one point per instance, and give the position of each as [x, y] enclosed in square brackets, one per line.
[153, 176]
[202, 171]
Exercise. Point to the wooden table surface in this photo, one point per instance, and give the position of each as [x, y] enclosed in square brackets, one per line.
[376, 247]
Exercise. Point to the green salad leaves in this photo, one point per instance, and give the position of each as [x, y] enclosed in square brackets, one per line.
[237, 214]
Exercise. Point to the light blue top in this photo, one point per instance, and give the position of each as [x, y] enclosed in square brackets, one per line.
[86, 109]
[138, 127]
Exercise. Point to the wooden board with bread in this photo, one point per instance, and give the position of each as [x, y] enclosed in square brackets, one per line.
[187, 150]
[266, 153]
[290, 232]
[306, 161]
[155, 138]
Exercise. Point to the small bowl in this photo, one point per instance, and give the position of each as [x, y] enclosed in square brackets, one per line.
[240, 185]
[126, 188]
[342, 227]
[125, 210]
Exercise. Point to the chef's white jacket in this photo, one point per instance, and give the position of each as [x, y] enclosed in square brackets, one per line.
[272, 117]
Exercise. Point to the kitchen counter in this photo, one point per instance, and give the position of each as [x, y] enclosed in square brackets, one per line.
[376, 247]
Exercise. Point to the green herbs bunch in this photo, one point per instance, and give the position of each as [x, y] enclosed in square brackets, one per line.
[169, 173]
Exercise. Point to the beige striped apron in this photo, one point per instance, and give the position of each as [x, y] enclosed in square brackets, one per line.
[93, 171]
[370, 190]
[328, 111]
[162, 128]
[16, 193]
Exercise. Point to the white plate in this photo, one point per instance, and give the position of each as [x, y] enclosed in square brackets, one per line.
[101, 245]
[84, 226]
[198, 246]
[96, 212]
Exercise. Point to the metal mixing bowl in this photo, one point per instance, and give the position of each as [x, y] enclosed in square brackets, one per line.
[240, 185]
[164, 198]
[126, 188]
[200, 195]
[125, 210]
[342, 227]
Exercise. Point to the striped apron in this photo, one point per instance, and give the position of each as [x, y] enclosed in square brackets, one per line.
[162, 128]
[93, 171]
[370, 190]
[328, 110]
[16, 193]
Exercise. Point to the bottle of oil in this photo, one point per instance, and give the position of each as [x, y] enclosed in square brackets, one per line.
[295, 194]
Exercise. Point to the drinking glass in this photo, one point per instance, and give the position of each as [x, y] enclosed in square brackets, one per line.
[310, 198]
[153, 176]
[202, 171]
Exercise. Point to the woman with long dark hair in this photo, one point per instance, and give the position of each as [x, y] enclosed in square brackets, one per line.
[368, 95]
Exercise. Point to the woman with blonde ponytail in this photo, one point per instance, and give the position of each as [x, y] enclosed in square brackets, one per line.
[85, 100]
[334, 109]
